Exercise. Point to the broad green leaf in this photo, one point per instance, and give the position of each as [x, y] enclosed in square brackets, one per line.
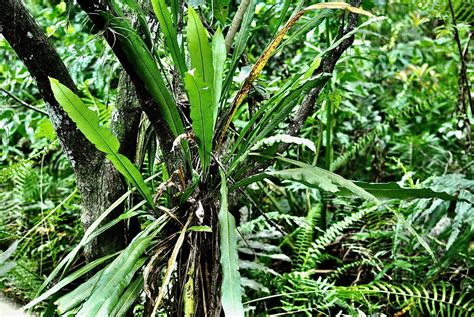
[128, 297]
[85, 119]
[231, 293]
[170, 33]
[132, 174]
[200, 98]
[313, 176]
[219, 54]
[88, 122]
[199, 48]
[394, 191]
[78, 295]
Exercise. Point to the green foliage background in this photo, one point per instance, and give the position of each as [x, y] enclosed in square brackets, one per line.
[390, 113]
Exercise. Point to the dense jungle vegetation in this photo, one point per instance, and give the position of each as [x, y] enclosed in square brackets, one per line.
[237, 157]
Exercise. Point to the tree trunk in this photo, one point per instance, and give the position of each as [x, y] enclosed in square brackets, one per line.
[98, 182]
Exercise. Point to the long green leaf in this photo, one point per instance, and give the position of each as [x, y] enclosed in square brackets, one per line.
[145, 66]
[170, 33]
[131, 173]
[200, 98]
[219, 54]
[78, 295]
[128, 297]
[88, 122]
[118, 275]
[199, 48]
[92, 232]
[313, 176]
[70, 278]
[231, 293]
[394, 191]
[86, 238]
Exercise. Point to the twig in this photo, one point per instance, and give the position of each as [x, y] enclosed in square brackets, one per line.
[23, 103]
[463, 74]
[307, 107]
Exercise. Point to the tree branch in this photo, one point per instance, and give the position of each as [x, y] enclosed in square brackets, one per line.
[23, 103]
[307, 107]
[234, 27]
[94, 8]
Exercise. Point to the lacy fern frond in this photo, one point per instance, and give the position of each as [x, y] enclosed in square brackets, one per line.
[330, 235]
[432, 300]
[361, 143]
[305, 237]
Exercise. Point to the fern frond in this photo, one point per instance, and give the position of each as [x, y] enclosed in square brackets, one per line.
[7, 173]
[305, 236]
[356, 148]
[346, 267]
[409, 111]
[330, 235]
[432, 300]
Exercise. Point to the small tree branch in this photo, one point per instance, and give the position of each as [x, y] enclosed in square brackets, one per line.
[464, 80]
[23, 103]
[306, 108]
[93, 8]
[234, 27]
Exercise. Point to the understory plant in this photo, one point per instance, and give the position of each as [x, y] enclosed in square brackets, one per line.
[161, 177]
